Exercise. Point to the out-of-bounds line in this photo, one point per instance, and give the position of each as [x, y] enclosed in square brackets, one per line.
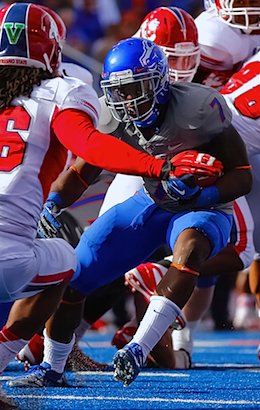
[136, 399]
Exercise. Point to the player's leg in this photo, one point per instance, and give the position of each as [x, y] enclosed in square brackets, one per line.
[246, 316]
[191, 249]
[254, 279]
[236, 256]
[99, 266]
[254, 283]
[109, 246]
[54, 261]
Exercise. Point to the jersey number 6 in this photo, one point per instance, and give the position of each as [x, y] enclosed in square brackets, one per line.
[12, 146]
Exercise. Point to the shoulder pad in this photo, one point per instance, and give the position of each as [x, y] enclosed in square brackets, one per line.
[107, 123]
[76, 71]
[69, 93]
[201, 108]
[213, 32]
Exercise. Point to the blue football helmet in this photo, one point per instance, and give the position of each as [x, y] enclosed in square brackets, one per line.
[136, 81]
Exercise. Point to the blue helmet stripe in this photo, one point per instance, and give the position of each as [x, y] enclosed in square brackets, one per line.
[13, 40]
[178, 14]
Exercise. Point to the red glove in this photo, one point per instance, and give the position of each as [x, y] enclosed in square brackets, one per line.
[194, 162]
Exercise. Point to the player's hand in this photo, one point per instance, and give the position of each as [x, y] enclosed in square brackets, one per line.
[194, 162]
[181, 188]
[48, 226]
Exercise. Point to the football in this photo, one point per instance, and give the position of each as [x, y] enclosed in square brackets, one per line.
[204, 181]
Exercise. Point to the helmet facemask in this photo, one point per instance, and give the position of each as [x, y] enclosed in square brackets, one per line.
[136, 81]
[131, 97]
[244, 18]
[183, 61]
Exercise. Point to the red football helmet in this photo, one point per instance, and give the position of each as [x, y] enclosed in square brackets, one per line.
[29, 37]
[60, 24]
[237, 13]
[174, 30]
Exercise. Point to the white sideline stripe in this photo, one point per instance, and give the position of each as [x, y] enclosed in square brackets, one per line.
[144, 374]
[93, 373]
[140, 399]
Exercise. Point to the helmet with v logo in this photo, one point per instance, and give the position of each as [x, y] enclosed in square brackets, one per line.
[29, 37]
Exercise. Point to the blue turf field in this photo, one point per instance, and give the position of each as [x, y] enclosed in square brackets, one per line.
[226, 376]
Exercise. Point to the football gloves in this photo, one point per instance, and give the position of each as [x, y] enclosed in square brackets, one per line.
[194, 162]
[48, 226]
[181, 188]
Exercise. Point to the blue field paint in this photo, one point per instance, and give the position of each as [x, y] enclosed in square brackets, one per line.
[226, 375]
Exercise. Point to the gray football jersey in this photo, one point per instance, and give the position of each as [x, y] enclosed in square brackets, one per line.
[195, 114]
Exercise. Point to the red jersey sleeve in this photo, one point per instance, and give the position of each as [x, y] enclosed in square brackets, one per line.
[75, 131]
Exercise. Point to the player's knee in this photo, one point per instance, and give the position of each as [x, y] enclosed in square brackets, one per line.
[193, 247]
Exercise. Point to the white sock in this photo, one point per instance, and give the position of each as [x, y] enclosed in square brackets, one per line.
[159, 315]
[183, 339]
[10, 345]
[81, 329]
[56, 353]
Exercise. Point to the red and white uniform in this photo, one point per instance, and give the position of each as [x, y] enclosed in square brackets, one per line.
[31, 158]
[223, 49]
[36, 134]
[242, 96]
[31, 155]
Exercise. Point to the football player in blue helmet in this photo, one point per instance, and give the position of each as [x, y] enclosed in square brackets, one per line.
[168, 121]
[136, 81]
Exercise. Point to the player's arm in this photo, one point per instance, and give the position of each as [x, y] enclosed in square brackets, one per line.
[75, 130]
[236, 181]
[71, 184]
[67, 188]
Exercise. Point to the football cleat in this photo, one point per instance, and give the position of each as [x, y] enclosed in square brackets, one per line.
[32, 353]
[6, 403]
[124, 334]
[39, 376]
[79, 361]
[144, 278]
[127, 363]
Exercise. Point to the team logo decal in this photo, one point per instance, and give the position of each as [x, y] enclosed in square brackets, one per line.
[148, 29]
[149, 56]
[13, 31]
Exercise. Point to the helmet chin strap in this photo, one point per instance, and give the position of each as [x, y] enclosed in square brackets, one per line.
[149, 120]
[47, 61]
[151, 117]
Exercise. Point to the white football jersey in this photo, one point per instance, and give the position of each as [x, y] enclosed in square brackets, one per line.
[242, 94]
[31, 157]
[223, 48]
[75, 70]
